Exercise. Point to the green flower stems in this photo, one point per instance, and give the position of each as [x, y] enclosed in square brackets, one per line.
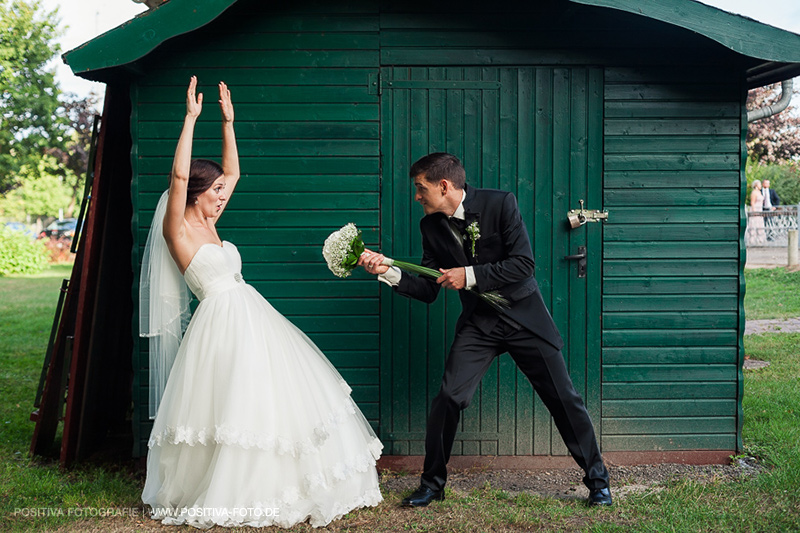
[493, 298]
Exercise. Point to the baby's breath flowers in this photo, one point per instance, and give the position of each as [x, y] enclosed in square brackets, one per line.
[342, 249]
[344, 246]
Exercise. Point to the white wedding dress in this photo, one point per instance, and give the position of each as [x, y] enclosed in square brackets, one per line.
[255, 427]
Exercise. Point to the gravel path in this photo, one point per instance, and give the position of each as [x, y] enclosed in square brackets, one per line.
[772, 325]
[567, 483]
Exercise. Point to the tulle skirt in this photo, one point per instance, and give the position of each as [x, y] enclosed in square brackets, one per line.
[256, 427]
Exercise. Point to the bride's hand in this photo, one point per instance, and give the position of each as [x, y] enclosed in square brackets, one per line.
[194, 104]
[373, 262]
[225, 104]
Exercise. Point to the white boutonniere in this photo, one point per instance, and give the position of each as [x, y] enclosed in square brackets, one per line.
[474, 231]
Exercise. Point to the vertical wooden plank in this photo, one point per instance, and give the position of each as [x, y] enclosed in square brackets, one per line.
[418, 116]
[490, 131]
[418, 147]
[401, 324]
[419, 322]
[542, 236]
[594, 280]
[470, 419]
[455, 116]
[578, 190]
[488, 409]
[388, 179]
[437, 316]
[490, 158]
[490, 386]
[525, 182]
[458, 448]
[456, 134]
[561, 275]
[508, 147]
[472, 130]
[387, 307]
[437, 117]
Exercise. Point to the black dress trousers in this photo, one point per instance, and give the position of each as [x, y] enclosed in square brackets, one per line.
[470, 356]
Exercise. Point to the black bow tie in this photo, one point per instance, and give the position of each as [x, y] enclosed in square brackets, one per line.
[459, 223]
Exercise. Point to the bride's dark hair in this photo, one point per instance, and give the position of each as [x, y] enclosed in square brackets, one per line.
[202, 174]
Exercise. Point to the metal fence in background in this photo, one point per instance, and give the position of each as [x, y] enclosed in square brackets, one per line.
[771, 228]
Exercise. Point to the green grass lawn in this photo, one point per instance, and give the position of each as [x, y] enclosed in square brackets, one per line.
[27, 305]
[32, 488]
[772, 293]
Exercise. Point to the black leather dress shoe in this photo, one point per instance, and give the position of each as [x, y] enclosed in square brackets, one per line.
[423, 496]
[600, 497]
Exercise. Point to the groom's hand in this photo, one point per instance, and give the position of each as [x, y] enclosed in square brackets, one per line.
[453, 278]
[373, 262]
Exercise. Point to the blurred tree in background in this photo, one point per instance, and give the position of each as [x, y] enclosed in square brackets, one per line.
[773, 146]
[29, 124]
[73, 155]
[773, 139]
[44, 134]
[44, 191]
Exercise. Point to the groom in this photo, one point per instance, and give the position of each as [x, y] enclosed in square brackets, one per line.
[477, 239]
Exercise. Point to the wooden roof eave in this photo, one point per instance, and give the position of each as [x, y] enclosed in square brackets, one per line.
[776, 48]
[776, 51]
[129, 42]
[770, 72]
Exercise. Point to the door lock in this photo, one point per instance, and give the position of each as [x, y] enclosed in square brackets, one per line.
[581, 257]
[579, 217]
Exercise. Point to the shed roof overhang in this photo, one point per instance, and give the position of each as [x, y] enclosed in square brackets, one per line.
[123, 45]
[774, 53]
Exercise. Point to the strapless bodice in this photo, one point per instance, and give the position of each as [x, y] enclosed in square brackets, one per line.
[214, 269]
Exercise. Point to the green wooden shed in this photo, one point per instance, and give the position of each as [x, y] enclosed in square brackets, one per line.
[635, 108]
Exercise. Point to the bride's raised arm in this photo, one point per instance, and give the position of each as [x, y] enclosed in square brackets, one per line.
[179, 178]
[230, 153]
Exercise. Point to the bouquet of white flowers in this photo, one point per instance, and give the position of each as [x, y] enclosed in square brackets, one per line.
[343, 247]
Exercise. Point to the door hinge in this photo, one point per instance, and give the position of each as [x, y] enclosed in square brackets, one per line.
[374, 83]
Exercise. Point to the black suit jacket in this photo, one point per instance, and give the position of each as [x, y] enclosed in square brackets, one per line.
[774, 199]
[503, 262]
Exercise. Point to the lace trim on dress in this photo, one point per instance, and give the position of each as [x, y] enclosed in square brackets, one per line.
[280, 511]
[375, 448]
[342, 470]
[223, 434]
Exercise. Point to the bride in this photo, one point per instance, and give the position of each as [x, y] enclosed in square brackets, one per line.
[253, 426]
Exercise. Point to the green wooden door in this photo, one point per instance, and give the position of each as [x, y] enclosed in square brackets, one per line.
[538, 133]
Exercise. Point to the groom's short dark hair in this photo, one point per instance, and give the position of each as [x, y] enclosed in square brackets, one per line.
[440, 166]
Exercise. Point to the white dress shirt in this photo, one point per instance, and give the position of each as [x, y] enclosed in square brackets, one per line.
[767, 199]
[393, 275]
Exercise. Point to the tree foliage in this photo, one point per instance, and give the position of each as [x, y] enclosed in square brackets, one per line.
[73, 154]
[43, 193]
[28, 90]
[775, 139]
[773, 146]
[784, 179]
[19, 254]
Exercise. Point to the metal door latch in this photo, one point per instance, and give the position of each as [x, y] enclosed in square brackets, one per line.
[581, 257]
[579, 217]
